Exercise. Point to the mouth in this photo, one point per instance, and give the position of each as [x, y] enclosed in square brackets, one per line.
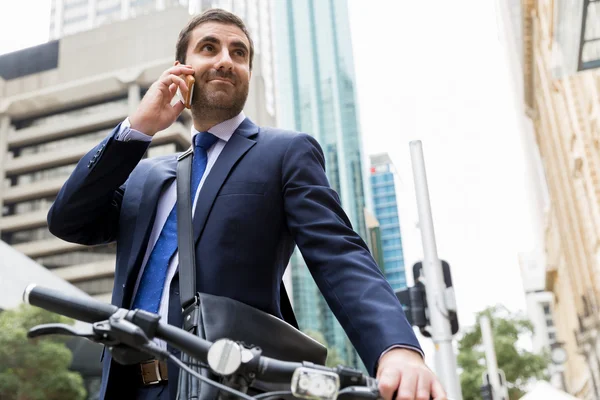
[222, 80]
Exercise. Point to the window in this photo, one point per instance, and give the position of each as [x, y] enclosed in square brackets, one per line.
[546, 309]
[552, 336]
[74, 4]
[96, 286]
[25, 236]
[75, 19]
[110, 10]
[85, 110]
[90, 137]
[81, 256]
[49, 173]
[389, 231]
[32, 205]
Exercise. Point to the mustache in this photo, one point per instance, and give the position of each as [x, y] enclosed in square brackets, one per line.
[222, 74]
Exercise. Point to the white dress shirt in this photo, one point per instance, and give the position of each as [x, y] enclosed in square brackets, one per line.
[223, 131]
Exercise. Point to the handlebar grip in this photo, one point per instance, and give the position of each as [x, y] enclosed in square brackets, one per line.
[79, 308]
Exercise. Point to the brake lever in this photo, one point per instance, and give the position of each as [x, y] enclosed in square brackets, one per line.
[359, 392]
[61, 329]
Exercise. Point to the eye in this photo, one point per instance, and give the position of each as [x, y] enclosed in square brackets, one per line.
[208, 47]
[240, 53]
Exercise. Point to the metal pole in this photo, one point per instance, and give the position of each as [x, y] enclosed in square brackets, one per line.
[445, 359]
[490, 355]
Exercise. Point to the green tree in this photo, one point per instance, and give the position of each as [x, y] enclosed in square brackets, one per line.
[35, 369]
[520, 366]
[333, 357]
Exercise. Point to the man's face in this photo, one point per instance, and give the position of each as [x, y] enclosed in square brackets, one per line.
[220, 55]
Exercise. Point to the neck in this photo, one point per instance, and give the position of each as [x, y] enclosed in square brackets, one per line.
[206, 119]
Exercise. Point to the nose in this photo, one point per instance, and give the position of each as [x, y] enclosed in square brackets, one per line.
[224, 61]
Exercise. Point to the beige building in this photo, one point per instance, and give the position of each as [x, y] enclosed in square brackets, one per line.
[556, 45]
[56, 109]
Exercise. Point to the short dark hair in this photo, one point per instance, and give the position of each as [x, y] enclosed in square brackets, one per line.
[210, 15]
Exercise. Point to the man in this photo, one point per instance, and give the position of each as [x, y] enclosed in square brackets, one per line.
[261, 192]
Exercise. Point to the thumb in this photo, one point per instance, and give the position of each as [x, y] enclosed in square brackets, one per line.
[389, 380]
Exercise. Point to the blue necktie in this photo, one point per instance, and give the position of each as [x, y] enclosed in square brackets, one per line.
[155, 274]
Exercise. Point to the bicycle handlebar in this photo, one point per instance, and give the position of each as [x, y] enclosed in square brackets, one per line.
[93, 311]
[79, 308]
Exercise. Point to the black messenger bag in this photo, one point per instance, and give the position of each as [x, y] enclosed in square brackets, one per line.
[214, 317]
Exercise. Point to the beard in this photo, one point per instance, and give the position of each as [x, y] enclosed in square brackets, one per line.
[220, 103]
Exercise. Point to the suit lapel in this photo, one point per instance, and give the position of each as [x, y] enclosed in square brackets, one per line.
[239, 143]
[157, 178]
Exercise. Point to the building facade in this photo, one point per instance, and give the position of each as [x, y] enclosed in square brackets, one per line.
[383, 188]
[54, 114]
[68, 17]
[539, 304]
[561, 102]
[316, 95]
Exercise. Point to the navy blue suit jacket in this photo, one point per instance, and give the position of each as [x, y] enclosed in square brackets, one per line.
[266, 193]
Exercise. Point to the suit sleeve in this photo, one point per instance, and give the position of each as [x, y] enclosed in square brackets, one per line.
[86, 210]
[338, 259]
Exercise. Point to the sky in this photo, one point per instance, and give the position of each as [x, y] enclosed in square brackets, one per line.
[436, 71]
[433, 71]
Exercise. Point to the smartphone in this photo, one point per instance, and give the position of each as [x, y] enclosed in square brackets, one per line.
[189, 80]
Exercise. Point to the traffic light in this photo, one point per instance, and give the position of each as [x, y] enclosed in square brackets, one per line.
[414, 300]
[452, 315]
[502, 392]
[486, 392]
[414, 303]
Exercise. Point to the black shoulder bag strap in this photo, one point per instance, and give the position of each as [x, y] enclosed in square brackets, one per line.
[185, 238]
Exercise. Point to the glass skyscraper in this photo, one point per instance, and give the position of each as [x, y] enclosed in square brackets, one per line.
[386, 212]
[316, 95]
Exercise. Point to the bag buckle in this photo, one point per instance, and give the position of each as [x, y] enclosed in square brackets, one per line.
[189, 314]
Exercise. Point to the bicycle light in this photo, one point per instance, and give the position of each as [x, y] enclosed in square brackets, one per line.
[315, 384]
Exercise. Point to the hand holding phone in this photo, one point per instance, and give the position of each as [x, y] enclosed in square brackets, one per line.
[189, 81]
[155, 111]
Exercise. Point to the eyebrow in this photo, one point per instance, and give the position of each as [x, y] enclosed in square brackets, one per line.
[209, 39]
[240, 44]
[212, 39]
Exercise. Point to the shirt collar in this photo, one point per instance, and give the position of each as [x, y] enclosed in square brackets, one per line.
[224, 130]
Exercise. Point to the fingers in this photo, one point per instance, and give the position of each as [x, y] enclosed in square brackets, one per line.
[180, 69]
[173, 75]
[423, 388]
[172, 89]
[437, 391]
[408, 386]
[174, 79]
[388, 383]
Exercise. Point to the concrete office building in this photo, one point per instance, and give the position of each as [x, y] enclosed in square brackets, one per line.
[55, 110]
[68, 17]
[558, 54]
[383, 188]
